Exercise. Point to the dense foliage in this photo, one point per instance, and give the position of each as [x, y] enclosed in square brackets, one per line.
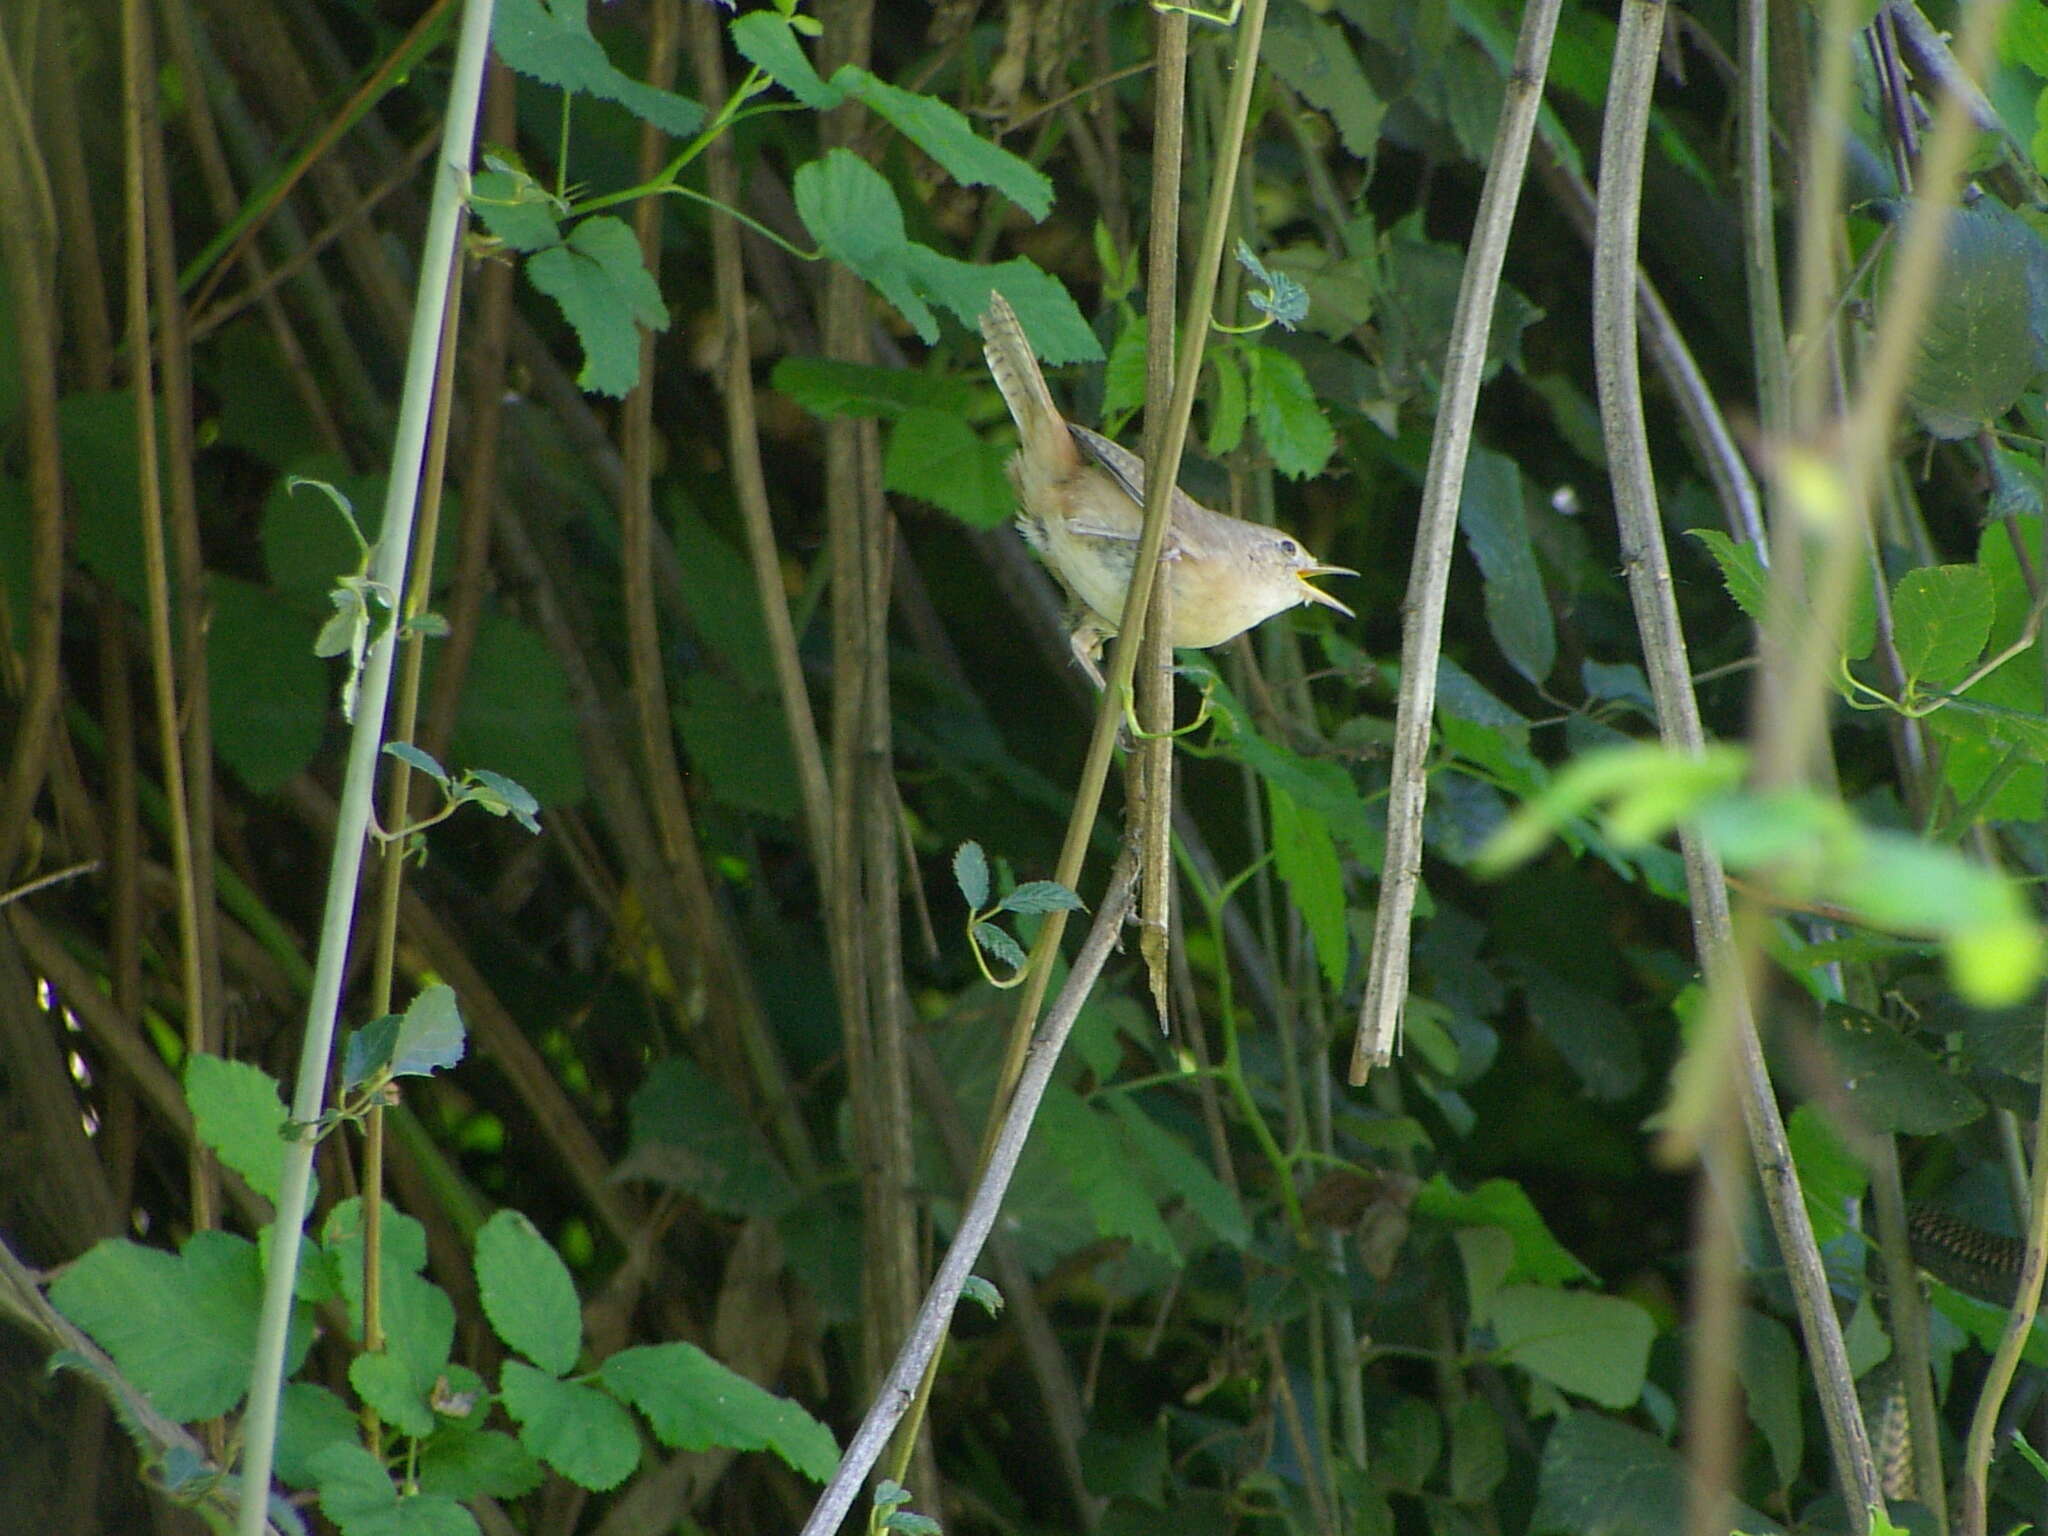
[738, 736]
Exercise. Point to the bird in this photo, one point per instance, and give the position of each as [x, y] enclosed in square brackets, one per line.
[1080, 506]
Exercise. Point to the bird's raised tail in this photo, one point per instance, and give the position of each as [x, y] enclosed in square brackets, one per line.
[1048, 451]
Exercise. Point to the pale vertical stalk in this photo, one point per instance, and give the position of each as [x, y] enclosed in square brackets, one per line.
[1386, 985]
[437, 252]
[1726, 954]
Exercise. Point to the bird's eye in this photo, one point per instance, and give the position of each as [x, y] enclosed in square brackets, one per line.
[1289, 549]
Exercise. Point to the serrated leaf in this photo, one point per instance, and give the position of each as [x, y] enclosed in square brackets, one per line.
[431, 1036]
[1042, 896]
[1295, 431]
[766, 39]
[1941, 619]
[1742, 571]
[692, 1402]
[527, 1292]
[477, 1463]
[999, 944]
[584, 1434]
[385, 1382]
[1186, 1175]
[516, 210]
[937, 457]
[552, 43]
[852, 212]
[357, 1494]
[1314, 58]
[1092, 1163]
[417, 758]
[1123, 380]
[970, 874]
[368, 1051]
[309, 1420]
[182, 1326]
[606, 294]
[237, 1112]
[939, 129]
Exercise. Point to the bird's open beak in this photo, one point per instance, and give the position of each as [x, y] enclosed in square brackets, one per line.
[1315, 594]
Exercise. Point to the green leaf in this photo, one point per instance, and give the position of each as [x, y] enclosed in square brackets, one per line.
[527, 1293]
[1771, 1370]
[1479, 1451]
[1227, 412]
[1000, 944]
[827, 388]
[983, 1294]
[1273, 293]
[1980, 343]
[1591, 1345]
[477, 1463]
[1603, 1478]
[1048, 312]
[516, 209]
[852, 212]
[516, 715]
[431, 1036]
[1742, 571]
[266, 688]
[970, 873]
[1042, 896]
[1831, 1176]
[606, 293]
[1891, 1083]
[237, 1112]
[693, 1403]
[937, 457]
[499, 795]
[417, 758]
[764, 38]
[385, 1382]
[1123, 380]
[582, 1433]
[1092, 1163]
[941, 132]
[357, 1494]
[1181, 1172]
[182, 1326]
[1315, 59]
[737, 744]
[1491, 514]
[1597, 1040]
[690, 1134]
[1408, 1445]
[551, 41]
[1539, 1257]
[309, 1420]
[1306, 858]
[1941, 617]
[1296, 433]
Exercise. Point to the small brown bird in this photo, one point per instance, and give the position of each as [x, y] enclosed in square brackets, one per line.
[1080, 504]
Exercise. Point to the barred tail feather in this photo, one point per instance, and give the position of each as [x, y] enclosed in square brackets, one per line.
[1016, 372]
